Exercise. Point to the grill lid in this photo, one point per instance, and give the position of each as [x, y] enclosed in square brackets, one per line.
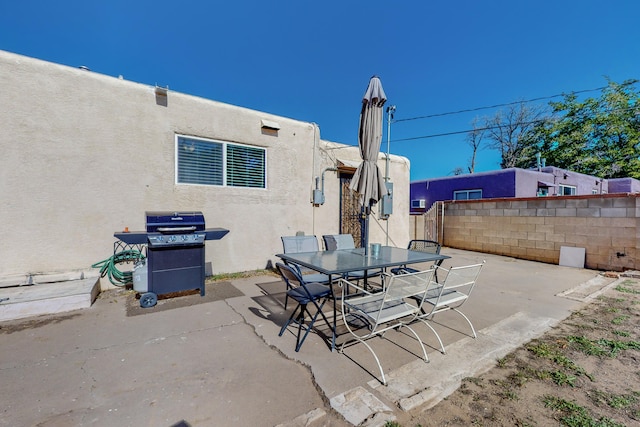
[169, 222]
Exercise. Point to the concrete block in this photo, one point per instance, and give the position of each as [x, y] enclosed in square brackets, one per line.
[624, 202]
[545, 212]
[536, 204]
[556, 203]
[545, 228]
[527, 212]
[555, 238]
[577, 203]
[613, 212]
[545, 244]
[51, 298]
[567, 212]
[519, 204]
[601, 203]
[356, 405]
[589, 212]
[578, 240]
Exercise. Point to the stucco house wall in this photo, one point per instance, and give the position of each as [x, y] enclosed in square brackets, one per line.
[493, 184]
[85, 155]
[624, 185]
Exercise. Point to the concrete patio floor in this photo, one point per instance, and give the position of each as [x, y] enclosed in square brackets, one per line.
[220, 361]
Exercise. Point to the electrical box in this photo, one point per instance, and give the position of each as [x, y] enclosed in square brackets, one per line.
[318, 197]
[386, 203]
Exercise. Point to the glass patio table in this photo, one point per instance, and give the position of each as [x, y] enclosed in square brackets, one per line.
[340, 262]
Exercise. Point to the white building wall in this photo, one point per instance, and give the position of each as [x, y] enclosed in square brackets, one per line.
[85, 155]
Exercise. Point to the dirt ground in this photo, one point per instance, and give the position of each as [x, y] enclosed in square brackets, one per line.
[584, 372]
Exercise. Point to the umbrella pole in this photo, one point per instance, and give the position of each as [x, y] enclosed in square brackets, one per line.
[367, 212]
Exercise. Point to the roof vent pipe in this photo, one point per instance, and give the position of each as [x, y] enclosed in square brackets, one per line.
[538, 161]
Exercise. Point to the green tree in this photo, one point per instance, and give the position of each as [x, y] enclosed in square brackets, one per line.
[594, 136]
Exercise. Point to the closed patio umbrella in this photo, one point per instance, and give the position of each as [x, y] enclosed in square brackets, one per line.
[367, 180]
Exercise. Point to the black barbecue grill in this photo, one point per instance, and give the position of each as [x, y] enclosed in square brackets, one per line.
[175, 252]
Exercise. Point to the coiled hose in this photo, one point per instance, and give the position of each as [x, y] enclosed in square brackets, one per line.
[108, 267]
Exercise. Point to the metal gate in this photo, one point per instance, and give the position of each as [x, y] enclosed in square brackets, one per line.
[351, 219]
[433, 218]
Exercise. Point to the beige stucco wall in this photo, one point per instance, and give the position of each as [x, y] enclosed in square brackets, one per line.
[85, 155]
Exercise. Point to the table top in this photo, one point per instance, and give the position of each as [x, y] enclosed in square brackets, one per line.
[346, 260]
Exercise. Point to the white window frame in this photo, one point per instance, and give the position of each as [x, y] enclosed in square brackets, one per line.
[223, 163]
[572, 190]
[458, 193]
[418, 204]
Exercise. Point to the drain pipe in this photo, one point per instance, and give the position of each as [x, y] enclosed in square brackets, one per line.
[316, 137]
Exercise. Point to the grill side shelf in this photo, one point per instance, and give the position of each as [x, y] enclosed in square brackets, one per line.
[140, 237]
[215, 233]
[132, 237]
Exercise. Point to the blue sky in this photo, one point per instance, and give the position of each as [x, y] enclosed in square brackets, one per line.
[312, 61]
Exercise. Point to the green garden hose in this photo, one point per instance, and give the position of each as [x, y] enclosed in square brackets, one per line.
[108, 267]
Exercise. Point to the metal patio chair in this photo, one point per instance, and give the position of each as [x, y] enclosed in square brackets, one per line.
[304, 293]
[338, 242]
[297, 244]
[367, 315]
[451, 294]
[428, 246]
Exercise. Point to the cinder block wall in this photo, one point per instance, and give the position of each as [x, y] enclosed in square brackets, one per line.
[535, 228]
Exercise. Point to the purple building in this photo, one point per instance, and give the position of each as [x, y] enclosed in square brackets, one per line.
[514, 182]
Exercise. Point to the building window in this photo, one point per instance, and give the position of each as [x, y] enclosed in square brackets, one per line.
[208, 162]
[418, 204]
[543, 191]
[566, 190]
[467, 194]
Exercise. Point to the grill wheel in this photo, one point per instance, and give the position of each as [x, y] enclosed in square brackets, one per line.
[148, 299]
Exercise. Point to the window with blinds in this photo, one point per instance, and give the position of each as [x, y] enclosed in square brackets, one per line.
[208, 162]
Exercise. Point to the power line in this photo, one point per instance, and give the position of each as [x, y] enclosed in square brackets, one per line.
[612, 110]
[506, 104]
[458, 132]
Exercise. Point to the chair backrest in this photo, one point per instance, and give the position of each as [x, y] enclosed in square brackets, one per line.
[398, 289]
[296, 244]
[462, 279]
[406, 285]
[334, 242]
[290, 276]
[428, 246]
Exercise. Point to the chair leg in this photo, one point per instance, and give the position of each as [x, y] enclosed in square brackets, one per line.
[311, 322]
[426, 322]
[473, 330]
[284, 327]
[299, 315]
[303, 308]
